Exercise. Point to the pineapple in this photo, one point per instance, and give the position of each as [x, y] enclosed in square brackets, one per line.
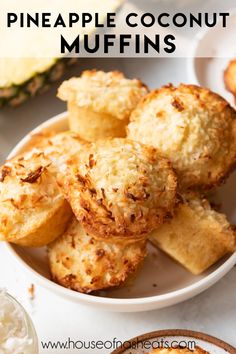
[23, 78]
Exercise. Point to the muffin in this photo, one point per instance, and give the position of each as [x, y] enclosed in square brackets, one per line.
[99, 103]
[82, 263]
[119, 188]
[194, 127]
[230, 77]
[197, 236]
[59, 147]
[33, 211]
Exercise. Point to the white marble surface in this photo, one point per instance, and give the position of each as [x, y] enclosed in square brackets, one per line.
[213, 312]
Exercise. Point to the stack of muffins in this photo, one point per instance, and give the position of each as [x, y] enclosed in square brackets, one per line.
[135, 166]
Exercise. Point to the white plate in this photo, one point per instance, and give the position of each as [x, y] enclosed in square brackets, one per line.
[161, 282]
[220, 47]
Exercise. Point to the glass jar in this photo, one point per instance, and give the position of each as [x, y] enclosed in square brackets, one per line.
[17, 333]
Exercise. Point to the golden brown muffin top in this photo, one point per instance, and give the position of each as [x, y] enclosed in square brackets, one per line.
[28, 193]
[59, 147]
[194, 127]
[110, 93]
[120, 188]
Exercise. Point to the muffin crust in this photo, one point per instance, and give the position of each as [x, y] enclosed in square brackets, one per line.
[109, 93]
[193, 127]
[119, 188]
[85, 264]
[33, 211]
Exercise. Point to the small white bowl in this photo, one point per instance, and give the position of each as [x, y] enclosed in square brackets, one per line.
[210, 54]
[161, 282]
[9, 303]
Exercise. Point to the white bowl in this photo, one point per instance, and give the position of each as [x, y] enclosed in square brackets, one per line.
[210, 54]
[27, 327]
[161, 282]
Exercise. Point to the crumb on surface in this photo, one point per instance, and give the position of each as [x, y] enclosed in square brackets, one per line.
[31, 291]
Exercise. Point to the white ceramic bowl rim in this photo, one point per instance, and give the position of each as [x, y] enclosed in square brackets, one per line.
[173, 297]
[193, 50]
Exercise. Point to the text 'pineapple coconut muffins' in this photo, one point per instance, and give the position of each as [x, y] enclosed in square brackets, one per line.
[197, 236]
[33, 211]
[85, 264]
[99, 103]
[119, 188]
[194, 127]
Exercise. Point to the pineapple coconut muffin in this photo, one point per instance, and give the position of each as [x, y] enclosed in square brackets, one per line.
[33, 211]
[95, 196]
[84, 263]
[99, 104]
[119, 191]
[193, 127]
[196, 129]
[119, 188]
